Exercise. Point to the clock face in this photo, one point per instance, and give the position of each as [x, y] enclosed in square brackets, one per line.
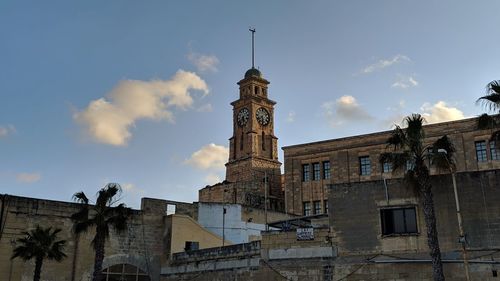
[243, 116]
[262, 116]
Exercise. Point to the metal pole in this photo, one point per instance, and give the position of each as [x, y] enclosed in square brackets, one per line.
[223, 224]
[253, 32]
[265, 198]
[460, 226]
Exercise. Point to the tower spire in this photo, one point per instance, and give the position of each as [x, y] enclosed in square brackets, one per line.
[253, 49]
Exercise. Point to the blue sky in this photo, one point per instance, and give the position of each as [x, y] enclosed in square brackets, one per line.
[138, 92]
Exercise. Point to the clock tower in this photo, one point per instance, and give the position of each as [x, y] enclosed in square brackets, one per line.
[253, 147]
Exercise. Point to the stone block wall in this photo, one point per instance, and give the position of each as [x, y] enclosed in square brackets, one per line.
[355, 213]
[141, 245]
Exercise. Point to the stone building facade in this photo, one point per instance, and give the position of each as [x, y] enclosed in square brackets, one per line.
[310, 168]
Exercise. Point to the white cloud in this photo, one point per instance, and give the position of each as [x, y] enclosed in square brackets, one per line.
[108, 120]
[7, 130]
[440, 112]
[383, 63]
[290, 117]
[203, 63]
[205, 108]
[212, 179]
[404, 82]
[28, 177]
[209, 157]
[131, 188]
[345, 109]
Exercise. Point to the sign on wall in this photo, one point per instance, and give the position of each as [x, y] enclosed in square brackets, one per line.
[305, 234]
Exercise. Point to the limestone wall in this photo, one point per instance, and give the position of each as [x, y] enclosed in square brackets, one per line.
[140, 246]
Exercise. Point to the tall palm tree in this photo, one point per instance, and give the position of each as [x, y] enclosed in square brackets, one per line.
[101, 217]
[411, 153]
[40, 243]
[491, 102]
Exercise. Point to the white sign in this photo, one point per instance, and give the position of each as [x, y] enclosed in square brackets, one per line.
[305, 234]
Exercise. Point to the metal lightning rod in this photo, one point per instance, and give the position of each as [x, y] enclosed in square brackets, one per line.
[253, 49]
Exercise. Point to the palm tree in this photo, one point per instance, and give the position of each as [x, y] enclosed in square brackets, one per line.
[491, 102]
[410, 153]
[101, 217]
[40, 243]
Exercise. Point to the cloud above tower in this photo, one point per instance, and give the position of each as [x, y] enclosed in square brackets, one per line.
[108, 120]
[204, 63]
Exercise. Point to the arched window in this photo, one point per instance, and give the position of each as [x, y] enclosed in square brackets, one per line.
[241, 141]
[124, 272]
[263, 140]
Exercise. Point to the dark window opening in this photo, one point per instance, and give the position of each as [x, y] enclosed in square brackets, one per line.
[191, 246]
[256, 90]
[398, 221]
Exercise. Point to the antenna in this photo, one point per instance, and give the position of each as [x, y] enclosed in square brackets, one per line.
[253, 49]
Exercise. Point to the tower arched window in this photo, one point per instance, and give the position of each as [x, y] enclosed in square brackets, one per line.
[256, 90]
[263, 140]
[241, 141]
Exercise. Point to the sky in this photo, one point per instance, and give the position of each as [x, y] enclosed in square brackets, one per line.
[139, 92]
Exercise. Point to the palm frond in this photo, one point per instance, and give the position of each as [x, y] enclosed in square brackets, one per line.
[397, 138]
[118, 216]
[491, 101]
[397, 159]
[80, 197]
[443, 152]
[485, 121]
[106, 194]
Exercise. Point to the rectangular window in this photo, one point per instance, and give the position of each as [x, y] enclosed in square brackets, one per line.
[317, 207]
[398, 221]
[387, 167]
[326, 170]
[316, 172]
[307, 208]
[365, 168]
[410, 165]
[494, 152]
[481, 151]
[305, 172]
[325, 203]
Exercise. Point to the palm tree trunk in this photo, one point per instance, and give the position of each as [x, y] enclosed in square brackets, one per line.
[430, 222]
[38, 268]
[99, 257]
